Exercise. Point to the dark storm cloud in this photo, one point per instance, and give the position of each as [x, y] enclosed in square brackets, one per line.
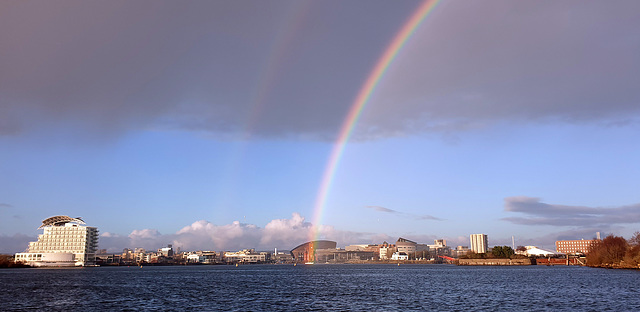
[403, 214]
[293, 68]
[539, 213]
[474, 64]
[119, 65]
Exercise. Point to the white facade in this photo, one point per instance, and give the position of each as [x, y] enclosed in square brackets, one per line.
[384, 251]
[246, 256]
[206, 257]
[63, 240]
[479, 243]
[399, 256]
[46, 259]
[406, 246]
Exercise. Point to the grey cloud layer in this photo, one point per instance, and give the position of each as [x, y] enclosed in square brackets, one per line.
[294, 68]
[477, 63]
[539, 213]
[270, 68]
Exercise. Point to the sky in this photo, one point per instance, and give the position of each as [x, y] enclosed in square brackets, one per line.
[209, 125]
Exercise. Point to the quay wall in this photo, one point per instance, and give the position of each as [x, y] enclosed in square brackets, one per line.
[496, 262]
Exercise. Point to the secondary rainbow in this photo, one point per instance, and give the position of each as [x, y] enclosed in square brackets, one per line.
[359, 104]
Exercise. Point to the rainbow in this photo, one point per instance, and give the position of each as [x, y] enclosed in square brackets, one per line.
[359, 104]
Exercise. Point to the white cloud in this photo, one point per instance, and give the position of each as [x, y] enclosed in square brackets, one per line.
[283, 234]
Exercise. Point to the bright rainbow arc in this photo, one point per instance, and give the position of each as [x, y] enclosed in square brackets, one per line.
[359, 104]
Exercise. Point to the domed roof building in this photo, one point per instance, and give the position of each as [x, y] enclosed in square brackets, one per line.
[307, 252]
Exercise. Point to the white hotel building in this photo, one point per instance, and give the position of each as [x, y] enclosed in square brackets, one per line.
[479, 243]
[66, 241]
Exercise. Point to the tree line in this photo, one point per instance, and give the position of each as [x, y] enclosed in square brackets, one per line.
[497, 252]
[615, 251]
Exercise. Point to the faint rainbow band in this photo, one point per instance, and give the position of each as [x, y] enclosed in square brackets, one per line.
[358, 106]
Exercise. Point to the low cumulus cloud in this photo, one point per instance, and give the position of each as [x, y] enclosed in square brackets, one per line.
[538, 213]
[283, 234]
[226, 68]
[404, 214]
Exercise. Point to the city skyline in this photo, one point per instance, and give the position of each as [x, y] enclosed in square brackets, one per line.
[200, 124]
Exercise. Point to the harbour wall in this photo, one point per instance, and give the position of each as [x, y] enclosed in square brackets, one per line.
[496, 261]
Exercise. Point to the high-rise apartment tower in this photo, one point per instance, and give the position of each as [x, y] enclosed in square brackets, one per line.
[479, 243]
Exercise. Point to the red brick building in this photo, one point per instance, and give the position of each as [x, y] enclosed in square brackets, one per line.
[575, 246]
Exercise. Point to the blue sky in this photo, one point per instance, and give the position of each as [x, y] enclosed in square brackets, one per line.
[209, 125]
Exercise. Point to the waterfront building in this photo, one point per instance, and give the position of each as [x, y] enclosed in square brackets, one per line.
[140, 254]
[386, 250]
[460, 251]
[399, 256]
[331, 255]
[479, 243]
[439, 248]
[282, 257]
[245, 256]
[307, 252]
[406, 246]
[205, 257]
[581, 246]
[128, 255]
[65, 241]
[166, 251]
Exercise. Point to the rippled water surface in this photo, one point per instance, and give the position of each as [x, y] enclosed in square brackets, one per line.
[321, 288]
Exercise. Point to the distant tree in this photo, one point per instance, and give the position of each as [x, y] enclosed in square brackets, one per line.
[521, 248]
[609, 251]
[635, 239]
[6, 261]
[632, 258]
[502, 252]
[507, 251]
[497, 251]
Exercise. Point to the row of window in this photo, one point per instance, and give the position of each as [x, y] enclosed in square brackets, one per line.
[43, 249]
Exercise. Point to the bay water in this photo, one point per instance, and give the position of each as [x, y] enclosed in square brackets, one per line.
[340, 287]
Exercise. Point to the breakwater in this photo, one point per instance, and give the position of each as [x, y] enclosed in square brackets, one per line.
[496, 262]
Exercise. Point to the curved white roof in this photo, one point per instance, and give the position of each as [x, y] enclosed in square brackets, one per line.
[539, 252]
[59, 220]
